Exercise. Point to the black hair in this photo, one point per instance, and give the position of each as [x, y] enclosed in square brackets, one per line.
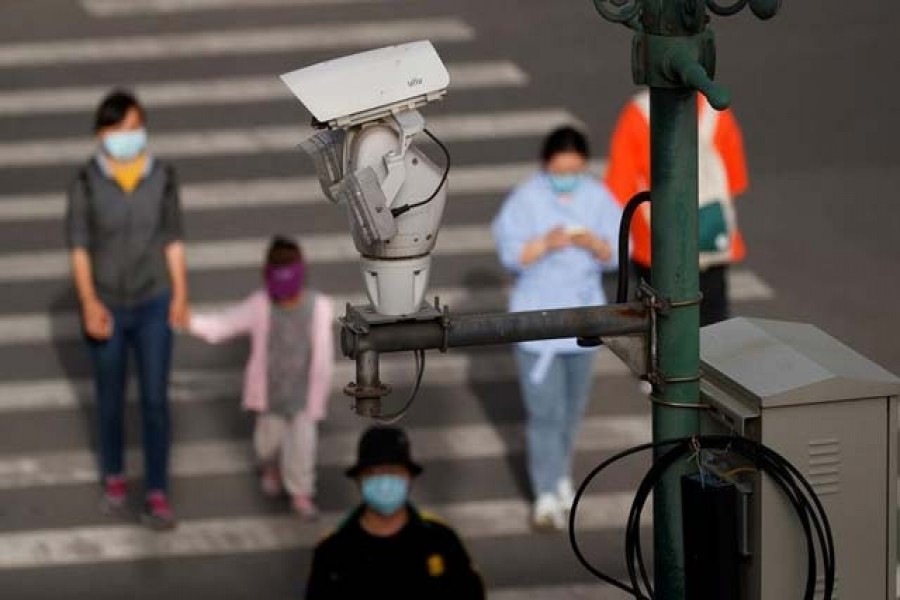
[283, 251]
[113, 108]
[564, 139]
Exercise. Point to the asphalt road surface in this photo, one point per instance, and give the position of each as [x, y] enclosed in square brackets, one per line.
[814, 91]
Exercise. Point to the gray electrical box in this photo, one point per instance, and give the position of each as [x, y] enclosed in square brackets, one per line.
[833, 414]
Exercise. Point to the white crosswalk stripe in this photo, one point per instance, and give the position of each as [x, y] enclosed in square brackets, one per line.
[460, 240]
[745, 286]
[473, 520]
[273, 192]
[115, 8]
[560, 592]
[319, 248]
[243, 42]
[281, 138]
[201, 385]
[202, 459]
[43, 328]
[225, 91]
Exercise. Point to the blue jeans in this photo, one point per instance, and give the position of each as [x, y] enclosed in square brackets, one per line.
[145, 329]
[554, 408]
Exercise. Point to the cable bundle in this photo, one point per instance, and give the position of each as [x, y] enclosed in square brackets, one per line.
[397, 416]
[790, 481]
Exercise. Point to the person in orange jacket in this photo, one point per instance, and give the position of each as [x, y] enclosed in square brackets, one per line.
[722, 178]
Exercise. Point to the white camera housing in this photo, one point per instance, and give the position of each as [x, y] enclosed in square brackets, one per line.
[366, 160]
[370, 85]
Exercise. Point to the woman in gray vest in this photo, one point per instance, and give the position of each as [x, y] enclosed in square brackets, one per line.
[124, 232]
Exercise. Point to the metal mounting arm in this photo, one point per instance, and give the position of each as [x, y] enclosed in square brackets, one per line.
[366, 335]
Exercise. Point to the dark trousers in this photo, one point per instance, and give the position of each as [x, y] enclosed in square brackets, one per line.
[713, 286]
[145, 329]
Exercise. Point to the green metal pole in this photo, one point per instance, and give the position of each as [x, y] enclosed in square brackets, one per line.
[674, 43]
[673, 160]
[674, 55]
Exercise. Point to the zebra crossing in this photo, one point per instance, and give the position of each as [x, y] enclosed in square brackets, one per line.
[473, 520]
[108, 8]
[468, 182]
[202, 459]
[283, 138]
[459, 240]
[345, 36]
[209, 384]
[466, 426]
[225, 90]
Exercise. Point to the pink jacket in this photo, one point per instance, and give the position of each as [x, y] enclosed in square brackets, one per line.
[251, 317]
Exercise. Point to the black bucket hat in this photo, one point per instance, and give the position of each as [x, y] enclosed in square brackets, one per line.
[383, 446]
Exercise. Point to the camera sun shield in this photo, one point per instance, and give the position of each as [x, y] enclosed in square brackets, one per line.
[371, 85]
[326, 149]
[372, 219]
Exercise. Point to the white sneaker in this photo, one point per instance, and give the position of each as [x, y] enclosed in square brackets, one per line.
[565, 492]
[548, 514]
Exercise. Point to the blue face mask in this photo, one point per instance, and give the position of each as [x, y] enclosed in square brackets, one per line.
[565, 184]
[125, 145]
[385, 494]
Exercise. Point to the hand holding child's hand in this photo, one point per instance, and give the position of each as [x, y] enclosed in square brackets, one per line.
[98, 322]
[179, 314]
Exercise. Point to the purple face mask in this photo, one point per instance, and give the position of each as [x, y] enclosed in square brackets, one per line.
[284, 281]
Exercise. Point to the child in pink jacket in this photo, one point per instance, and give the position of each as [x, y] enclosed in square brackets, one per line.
[287, 379]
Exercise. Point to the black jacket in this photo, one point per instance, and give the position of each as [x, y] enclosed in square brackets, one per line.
[425, 559]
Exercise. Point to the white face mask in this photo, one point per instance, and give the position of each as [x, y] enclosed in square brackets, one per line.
[125, 145]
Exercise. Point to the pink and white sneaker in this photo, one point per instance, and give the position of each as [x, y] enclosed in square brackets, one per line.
[115, 494]
[158, 514]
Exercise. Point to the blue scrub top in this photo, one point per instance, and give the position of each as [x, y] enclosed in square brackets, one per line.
[565, 278]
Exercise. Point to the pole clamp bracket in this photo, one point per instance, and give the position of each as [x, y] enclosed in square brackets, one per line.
[445, 322]
[659, 306]
[680, 405]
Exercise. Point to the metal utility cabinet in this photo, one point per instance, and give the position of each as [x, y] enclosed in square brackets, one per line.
[833, 414]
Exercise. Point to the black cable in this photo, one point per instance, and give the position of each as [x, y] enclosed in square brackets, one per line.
[778, 469]
[573, 541]
[408, 207]
[788, 478]
[818, 516]
[397, 416]
[634, 554]
[624, 231]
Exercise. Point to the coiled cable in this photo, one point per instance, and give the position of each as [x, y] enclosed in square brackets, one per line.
[797, 490]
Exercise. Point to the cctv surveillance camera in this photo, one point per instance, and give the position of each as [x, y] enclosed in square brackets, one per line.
[365, 159]
[370, 85]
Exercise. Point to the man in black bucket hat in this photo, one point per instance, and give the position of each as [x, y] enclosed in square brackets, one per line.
[386, 548]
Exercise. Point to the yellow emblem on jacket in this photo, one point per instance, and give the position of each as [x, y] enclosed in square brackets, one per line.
[435, 565]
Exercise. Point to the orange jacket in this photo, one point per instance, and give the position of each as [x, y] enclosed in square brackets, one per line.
[628, 171]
